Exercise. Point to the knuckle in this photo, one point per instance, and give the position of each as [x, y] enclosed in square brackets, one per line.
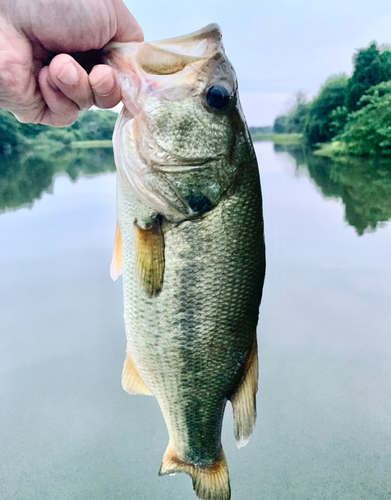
[18, 82]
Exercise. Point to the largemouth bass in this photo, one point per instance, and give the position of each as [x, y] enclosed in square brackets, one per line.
[190, 244]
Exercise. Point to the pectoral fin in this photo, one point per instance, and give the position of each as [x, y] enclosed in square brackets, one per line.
[150, 258]
[243, 401]
[118, 255]
[131, 379]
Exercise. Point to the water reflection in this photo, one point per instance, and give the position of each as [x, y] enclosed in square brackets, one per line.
[363, 185]
[24, 177]
[69, 431]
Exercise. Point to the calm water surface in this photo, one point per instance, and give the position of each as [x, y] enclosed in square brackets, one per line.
[69, 431]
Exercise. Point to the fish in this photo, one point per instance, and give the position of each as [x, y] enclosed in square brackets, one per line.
[190, 246]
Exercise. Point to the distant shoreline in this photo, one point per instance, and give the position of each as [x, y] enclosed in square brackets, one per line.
[283, 139]
[107, 143]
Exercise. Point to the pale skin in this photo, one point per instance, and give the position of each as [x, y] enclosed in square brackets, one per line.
[30, 30]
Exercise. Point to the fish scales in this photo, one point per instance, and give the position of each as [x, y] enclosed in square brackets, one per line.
[200, 329]
[191, 231]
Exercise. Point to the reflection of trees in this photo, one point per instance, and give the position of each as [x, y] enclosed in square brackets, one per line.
[363, 185]
[22, 180]
[25, 176]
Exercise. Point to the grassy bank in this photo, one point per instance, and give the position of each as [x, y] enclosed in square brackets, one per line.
[331, 150]
[283, 139]
[338, 150]
[92, 144]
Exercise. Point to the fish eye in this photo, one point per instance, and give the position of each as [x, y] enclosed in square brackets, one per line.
[218, 97]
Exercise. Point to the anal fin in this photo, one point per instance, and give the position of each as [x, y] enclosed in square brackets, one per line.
[150, 258]
[209, 482]
[131, 379]
[244, 402]
[118, 255]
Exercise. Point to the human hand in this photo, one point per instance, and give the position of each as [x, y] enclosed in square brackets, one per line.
[54, 94]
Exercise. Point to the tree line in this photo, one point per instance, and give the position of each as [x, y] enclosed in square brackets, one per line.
[90, 126]
[354, 114]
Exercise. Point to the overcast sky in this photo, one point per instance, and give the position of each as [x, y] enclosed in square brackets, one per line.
[277, 47]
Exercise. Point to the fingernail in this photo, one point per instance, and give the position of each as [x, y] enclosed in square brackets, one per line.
[68, 75]
[105, 86]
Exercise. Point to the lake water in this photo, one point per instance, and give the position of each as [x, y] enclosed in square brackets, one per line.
[69, 431]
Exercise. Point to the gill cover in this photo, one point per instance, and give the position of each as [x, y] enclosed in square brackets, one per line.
[174, 138]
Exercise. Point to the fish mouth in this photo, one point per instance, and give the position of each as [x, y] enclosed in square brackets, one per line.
[186, 166]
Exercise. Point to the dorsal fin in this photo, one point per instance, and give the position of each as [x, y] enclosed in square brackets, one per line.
[158, 61]
[201, 42]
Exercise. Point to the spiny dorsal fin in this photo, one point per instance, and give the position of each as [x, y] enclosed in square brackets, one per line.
[150, 258]
[191, 42]
[118, 255]
[209, 483]
[158, 61]
[131, 379]
[244, 403]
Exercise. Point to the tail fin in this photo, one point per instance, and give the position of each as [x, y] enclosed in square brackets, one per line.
[209, 483]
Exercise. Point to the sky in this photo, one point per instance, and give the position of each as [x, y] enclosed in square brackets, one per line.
[277, 48]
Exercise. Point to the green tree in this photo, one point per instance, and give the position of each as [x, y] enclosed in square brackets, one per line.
[95, 125]
[368, 130]
[268, 129]
[297, 116]
[31, 130]
[320, 125]
[280, 124]
[338, 119]
[294, 121]
[10, 133]
[91, 125]
[371, 67]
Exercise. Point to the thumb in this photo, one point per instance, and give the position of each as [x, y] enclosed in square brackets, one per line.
[128, 29]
